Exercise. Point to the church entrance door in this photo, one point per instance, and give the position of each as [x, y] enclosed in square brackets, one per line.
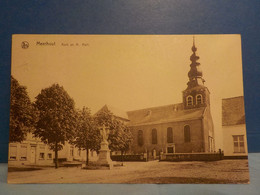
[171, 149]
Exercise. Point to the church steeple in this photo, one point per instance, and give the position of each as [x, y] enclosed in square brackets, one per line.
[195, 73]
[196, 94]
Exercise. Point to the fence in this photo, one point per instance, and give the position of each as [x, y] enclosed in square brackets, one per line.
[192, 157]
[129, 157]
[172, 157]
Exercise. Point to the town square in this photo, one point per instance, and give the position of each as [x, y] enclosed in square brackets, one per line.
[134, 109]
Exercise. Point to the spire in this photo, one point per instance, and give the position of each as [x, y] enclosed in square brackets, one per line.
[194, 49]
[195, 73]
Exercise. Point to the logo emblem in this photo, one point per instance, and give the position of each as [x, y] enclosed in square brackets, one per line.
[25, 45]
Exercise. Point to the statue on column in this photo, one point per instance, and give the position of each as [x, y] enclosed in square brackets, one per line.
[104, 133]
[104, 152]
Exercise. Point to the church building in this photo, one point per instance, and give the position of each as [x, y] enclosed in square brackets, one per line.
[185, 127]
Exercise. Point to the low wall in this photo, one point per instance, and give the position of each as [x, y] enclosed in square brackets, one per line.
[129, 157]
[236, 157]
[192, 157]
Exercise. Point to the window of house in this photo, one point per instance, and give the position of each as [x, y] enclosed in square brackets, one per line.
[199, 99]
[189, 100]
[79, 152]
[169, 135]
[23, 152]
[13, 152]
[140, 138]
[154, 136]
[186, 133]
[92, 153]
[41, 155]
[239, 144]
[49, 155]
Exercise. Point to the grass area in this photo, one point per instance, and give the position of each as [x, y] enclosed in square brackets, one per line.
[95, 166]
[17, 169]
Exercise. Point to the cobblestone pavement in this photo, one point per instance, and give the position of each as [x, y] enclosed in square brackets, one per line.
[225, 171]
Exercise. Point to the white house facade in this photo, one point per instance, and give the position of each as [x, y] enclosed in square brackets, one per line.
[234, 128]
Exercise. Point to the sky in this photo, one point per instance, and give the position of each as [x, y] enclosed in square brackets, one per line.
[129, 72]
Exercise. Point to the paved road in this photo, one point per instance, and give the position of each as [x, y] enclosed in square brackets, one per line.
[226, 171]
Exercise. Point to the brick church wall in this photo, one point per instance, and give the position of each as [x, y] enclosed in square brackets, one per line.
[196, 143]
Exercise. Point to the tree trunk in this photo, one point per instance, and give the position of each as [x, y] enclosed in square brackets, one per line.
[56, 155]
[122, 157]
[87, 156]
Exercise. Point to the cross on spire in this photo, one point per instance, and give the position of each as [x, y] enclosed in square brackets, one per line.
[195, 72]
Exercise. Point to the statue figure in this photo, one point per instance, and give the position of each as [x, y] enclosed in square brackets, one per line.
[104, 133]
[104, 152]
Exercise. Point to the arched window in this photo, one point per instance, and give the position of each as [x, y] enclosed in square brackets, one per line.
[199, 99]
[189, 100]
[140, 138]
[186, 133]
[169, 135]
[154, 136]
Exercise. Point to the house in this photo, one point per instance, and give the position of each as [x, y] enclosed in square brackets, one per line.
[234, 128]
[31, 151]
[117, 113]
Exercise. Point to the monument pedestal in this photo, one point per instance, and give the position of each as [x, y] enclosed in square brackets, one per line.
[104, 155]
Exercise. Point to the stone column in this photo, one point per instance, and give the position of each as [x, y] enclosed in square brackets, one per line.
[104, 152]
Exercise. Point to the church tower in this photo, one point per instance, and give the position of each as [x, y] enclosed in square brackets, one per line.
[196, 94]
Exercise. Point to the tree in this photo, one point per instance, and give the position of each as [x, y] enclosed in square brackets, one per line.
[22, 113]
[120, 136]
[87, 135]
[57, 118]
[126, 140]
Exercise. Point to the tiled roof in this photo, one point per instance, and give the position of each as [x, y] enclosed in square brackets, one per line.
[163, 114]
[233, 111]
[115, 111]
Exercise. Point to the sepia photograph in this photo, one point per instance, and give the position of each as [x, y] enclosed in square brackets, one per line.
[133, 109]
